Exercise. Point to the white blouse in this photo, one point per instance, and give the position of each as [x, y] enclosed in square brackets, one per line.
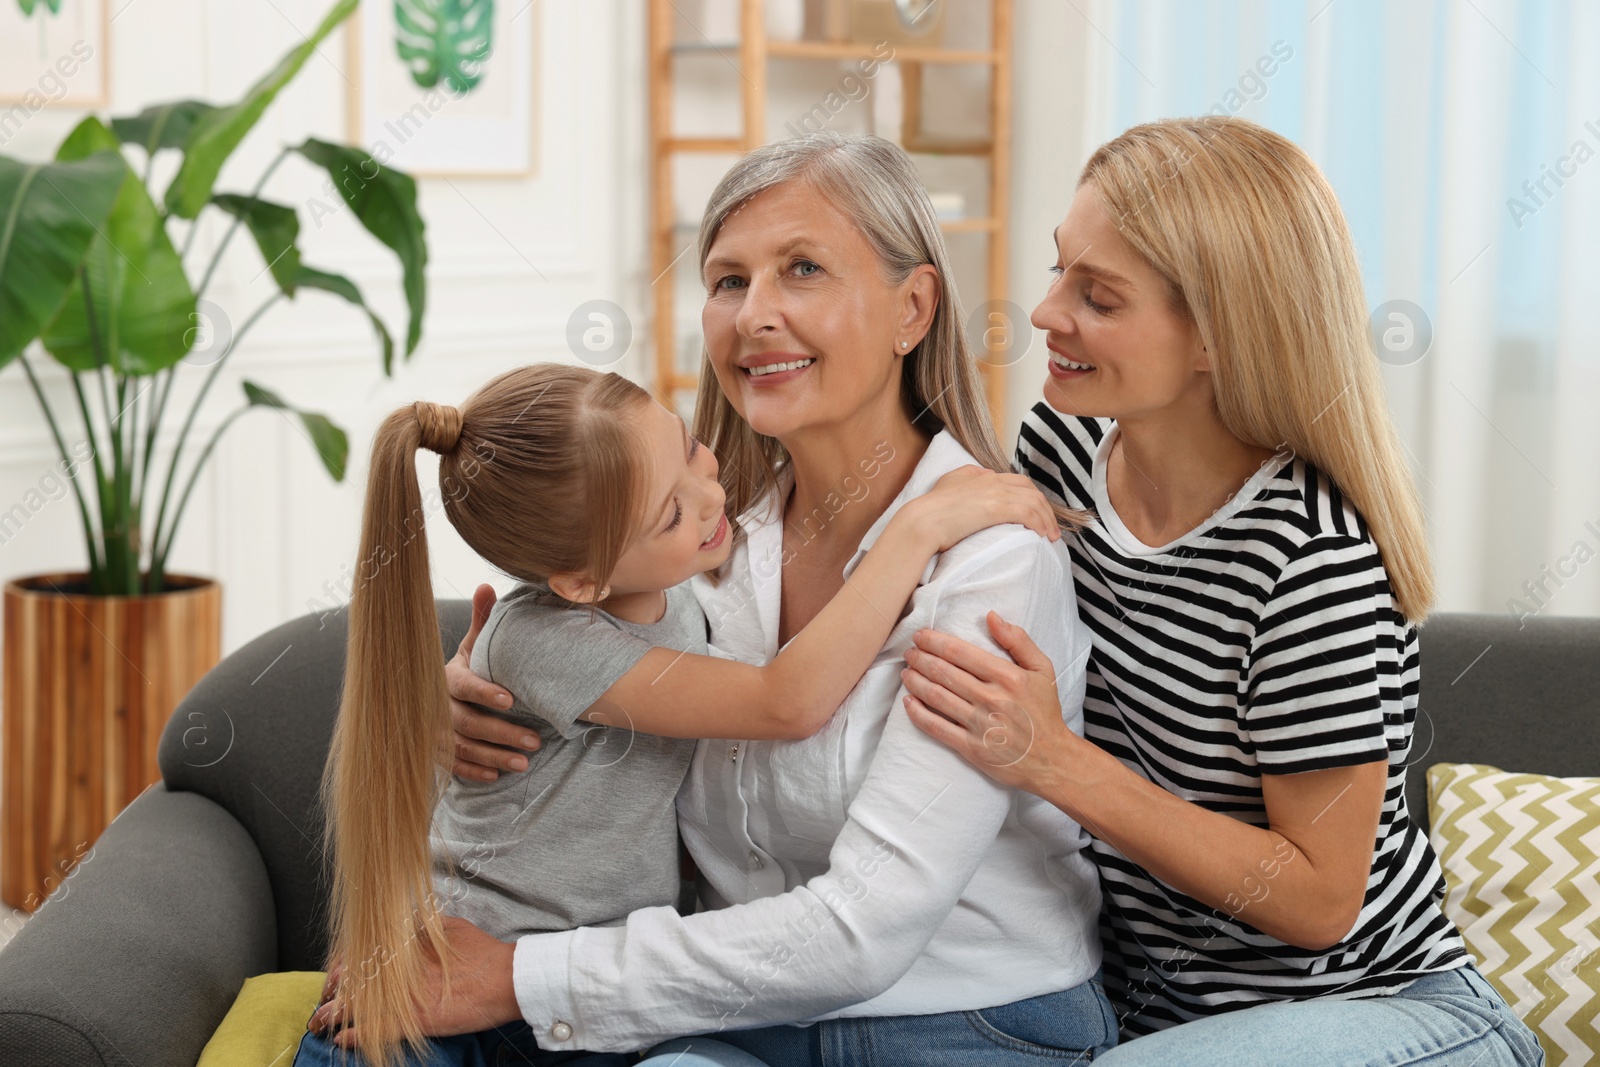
[867, 870]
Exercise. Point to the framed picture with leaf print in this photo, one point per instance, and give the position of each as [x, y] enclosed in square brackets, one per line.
[53, 53]
[445, 87]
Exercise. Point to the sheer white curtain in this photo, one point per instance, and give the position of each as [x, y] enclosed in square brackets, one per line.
[1463, 139]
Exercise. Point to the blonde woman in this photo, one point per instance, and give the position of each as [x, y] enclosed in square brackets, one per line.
[1252, 581]
[866, 879]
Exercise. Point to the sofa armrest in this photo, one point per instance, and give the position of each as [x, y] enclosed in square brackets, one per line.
[139, 953]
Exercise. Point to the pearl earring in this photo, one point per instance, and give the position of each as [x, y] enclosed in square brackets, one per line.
[902, 344]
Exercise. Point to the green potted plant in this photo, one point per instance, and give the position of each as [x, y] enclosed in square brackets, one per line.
[95, 661]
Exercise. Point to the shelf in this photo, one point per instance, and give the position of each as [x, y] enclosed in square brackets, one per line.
[734, 145]
[729, 47]
[967, 225]
[671, 238]
[838, 50]
[948, 146]
[851, 50]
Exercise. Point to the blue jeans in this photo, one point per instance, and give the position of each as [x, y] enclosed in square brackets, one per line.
[1450, 1018]
[512, 1043]
[1072, 1026]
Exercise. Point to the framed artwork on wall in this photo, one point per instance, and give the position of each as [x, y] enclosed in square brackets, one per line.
[53, 53]
[445, 87]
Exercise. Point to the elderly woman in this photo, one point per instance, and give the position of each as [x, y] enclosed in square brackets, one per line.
[867, 879]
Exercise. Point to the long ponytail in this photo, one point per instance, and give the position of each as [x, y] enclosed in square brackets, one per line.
[391, 750]
[540, 471]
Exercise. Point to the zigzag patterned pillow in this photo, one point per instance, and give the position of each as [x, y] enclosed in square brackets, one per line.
[1521, 858]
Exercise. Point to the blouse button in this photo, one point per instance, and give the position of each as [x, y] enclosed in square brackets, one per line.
[561, 1032]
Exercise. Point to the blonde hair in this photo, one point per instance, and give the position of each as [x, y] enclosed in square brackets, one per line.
[540, 471]
[1251, 242]
[874, 184]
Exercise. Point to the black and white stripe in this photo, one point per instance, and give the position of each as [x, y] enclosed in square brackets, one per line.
[1268, 641]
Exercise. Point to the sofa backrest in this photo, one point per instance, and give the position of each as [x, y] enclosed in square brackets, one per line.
[253, 735]
[1521, 696]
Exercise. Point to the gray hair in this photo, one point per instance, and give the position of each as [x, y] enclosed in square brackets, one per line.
[875, 185]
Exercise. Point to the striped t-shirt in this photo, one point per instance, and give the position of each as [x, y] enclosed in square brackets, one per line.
[1265, 641]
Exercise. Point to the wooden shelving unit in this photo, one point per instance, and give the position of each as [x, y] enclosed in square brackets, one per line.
[754, 52]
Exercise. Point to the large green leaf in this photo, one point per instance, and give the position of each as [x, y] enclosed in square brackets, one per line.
[49, 213]
[275, 228]
[143, 304]
[161, 125]
[217, 133]
[385, 201]
[449, 39]
[339, 285]
[332, 446]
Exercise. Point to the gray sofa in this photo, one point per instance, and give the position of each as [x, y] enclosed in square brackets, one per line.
[216, 873]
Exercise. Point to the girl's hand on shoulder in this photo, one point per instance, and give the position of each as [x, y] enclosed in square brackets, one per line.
[973, 498]
[1004, 717]
[485, 744]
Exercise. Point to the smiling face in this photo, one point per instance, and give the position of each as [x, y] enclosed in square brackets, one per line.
[792, 284]
[1117, 346]
[685, 530]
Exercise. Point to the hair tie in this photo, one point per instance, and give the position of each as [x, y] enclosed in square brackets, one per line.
[440, 425]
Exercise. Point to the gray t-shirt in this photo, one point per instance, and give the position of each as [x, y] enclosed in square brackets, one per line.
[589, 831]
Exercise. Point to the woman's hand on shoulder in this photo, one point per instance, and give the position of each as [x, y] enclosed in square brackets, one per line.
[485, 744]
[973, 498]
[1003, 715]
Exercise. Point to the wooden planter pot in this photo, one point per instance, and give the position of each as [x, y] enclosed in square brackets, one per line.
[90, 682]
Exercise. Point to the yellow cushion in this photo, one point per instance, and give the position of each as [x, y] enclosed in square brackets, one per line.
[266, 1022]
[1521, 859]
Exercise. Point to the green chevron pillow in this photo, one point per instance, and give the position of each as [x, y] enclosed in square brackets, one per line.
[1521, 858]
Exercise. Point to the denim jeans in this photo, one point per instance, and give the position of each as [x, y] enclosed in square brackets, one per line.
[1072, 1026]
[512, 1043]
[1453, 1018]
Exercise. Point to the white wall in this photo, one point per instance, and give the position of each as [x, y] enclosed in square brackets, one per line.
[508, 262]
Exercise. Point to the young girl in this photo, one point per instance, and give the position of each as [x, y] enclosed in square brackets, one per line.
[589, 493]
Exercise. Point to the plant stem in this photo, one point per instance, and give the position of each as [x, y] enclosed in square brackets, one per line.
[97, 577]
[118, 534]
[188, 237]
[127, 464]
[130, 413]
[100, 378]
[113, 532]
[159, 564]
[163, 389]
[160, 545]
[67, 464]
[122, 573]
[205, 280]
